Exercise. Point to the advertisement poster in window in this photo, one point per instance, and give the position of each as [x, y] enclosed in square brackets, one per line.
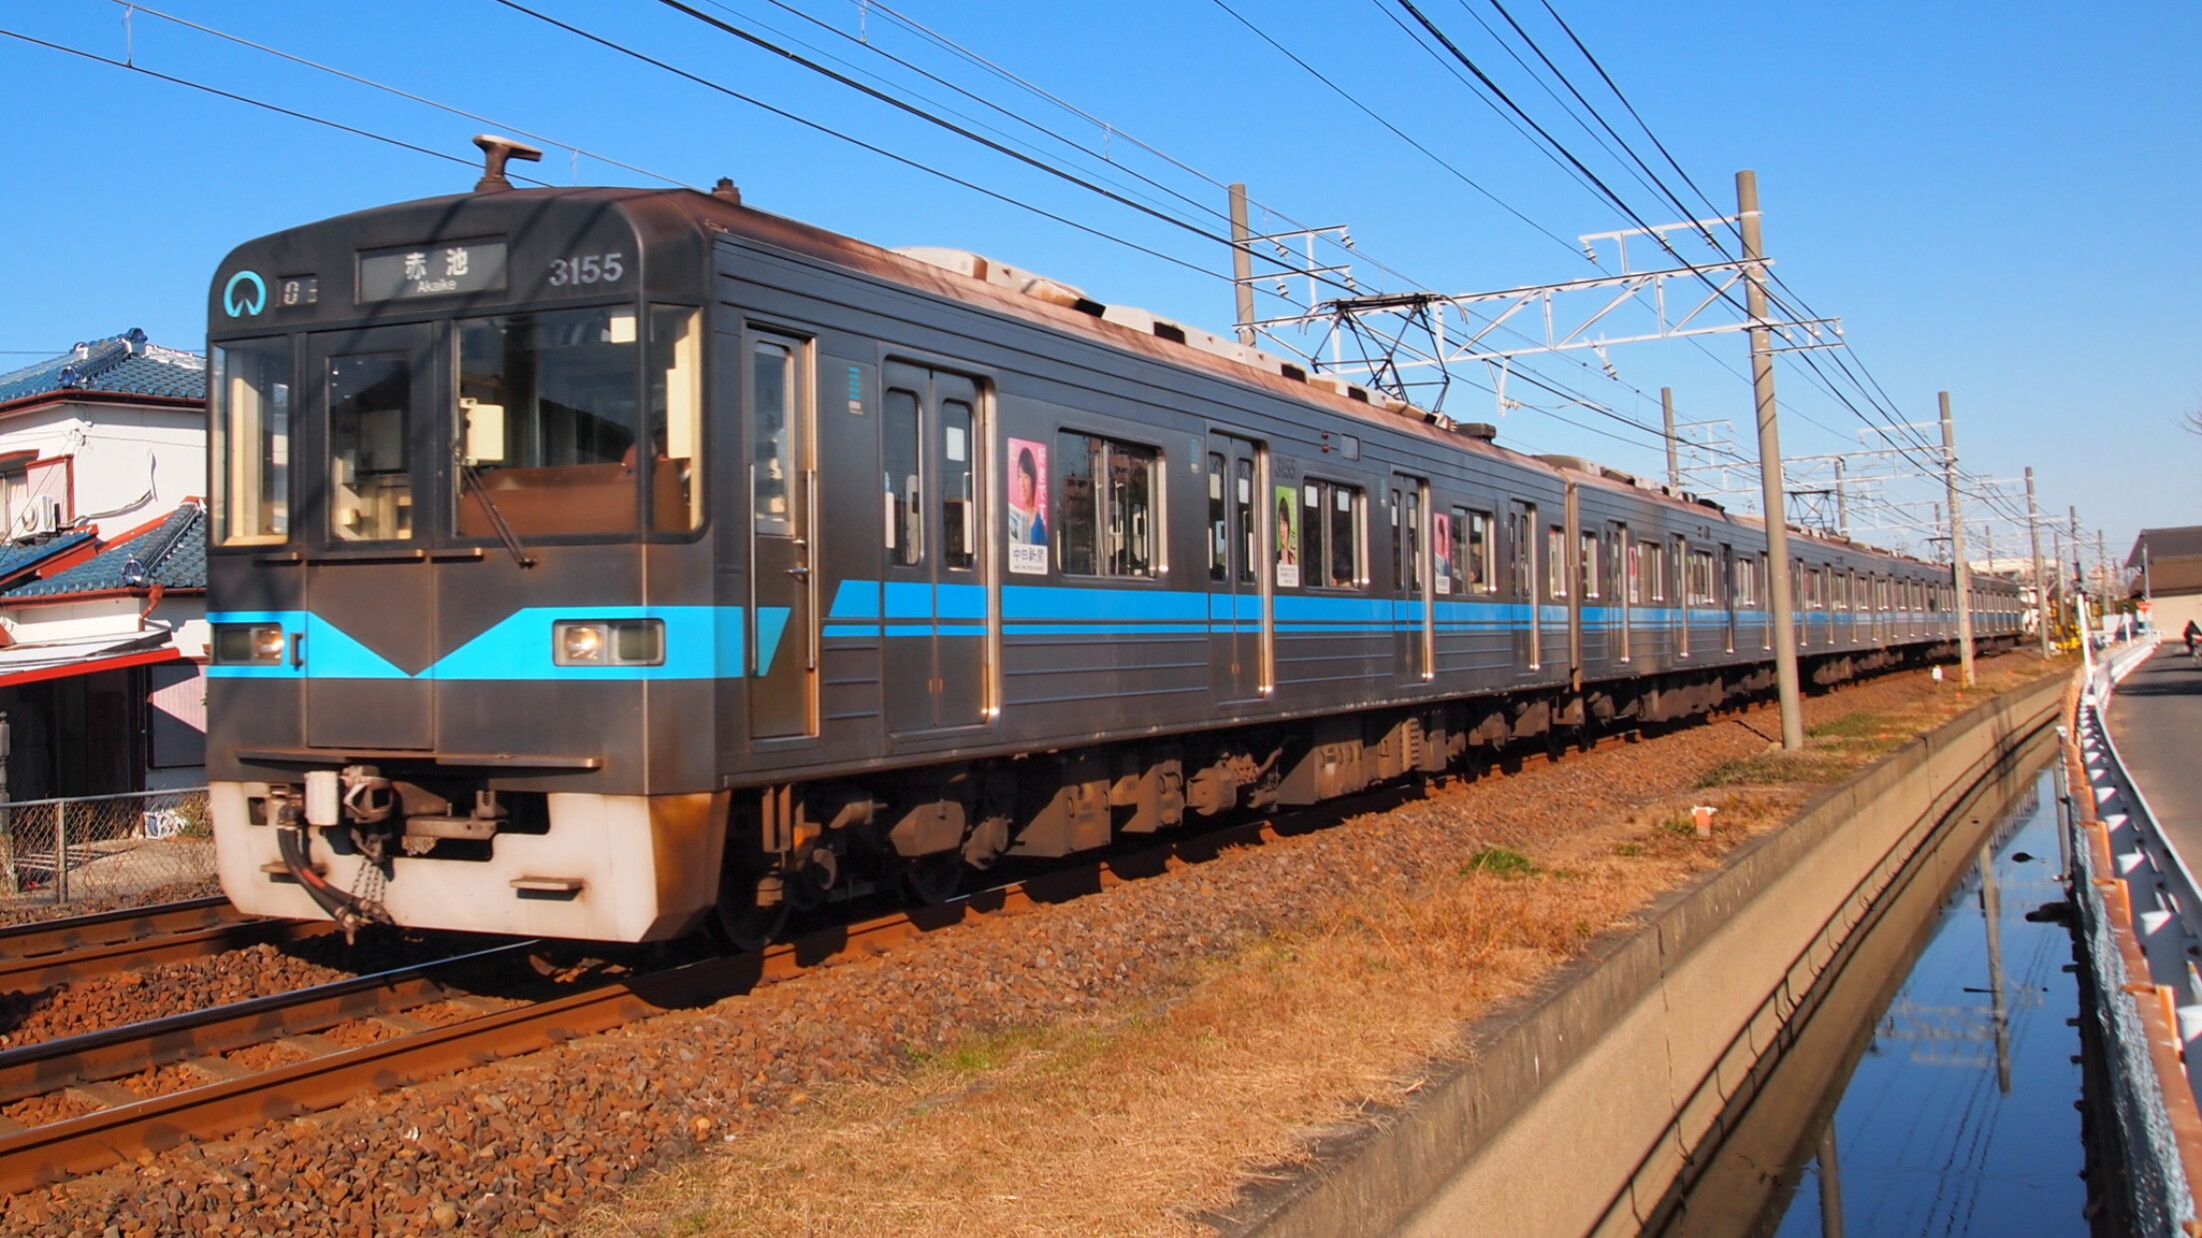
[1288, 538]
[1027, 507]
[1441, 550]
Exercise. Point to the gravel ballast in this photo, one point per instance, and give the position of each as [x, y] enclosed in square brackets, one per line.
[540, 1143]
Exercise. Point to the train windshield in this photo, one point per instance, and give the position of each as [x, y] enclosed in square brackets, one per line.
[555, 430]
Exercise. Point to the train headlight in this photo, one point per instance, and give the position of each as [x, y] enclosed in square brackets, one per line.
[248, 644]
[608, 642]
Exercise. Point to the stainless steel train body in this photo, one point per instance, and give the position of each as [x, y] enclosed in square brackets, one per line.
[590, 559]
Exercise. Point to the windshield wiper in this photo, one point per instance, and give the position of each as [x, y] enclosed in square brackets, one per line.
[471, 478]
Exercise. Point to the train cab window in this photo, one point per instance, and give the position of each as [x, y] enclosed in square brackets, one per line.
[252, 441]
[1109, 509]
[1589, 563]
[675, 378]
[958, 504]
[547, 422]
[1555, 562]
[370, 481]
[905, 518]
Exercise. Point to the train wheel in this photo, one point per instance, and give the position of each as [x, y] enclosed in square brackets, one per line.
[934, 879]
[749, 915]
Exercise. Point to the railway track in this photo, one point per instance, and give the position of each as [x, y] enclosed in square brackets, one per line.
[125, 1124]
[41, 955]
[232, 1097]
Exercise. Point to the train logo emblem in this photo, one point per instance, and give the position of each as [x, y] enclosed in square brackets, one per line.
[251, 301]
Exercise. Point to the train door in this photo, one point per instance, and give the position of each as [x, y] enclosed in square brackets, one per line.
[783, 495]
[1626, 591]
[372, 601]
[1726, 583]
[938, 604]
[1238, 621]
[1411, 611]
[1521, 548]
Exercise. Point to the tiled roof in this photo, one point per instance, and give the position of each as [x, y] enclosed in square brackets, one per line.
[18, 557]
[125, 364]
[171, 554]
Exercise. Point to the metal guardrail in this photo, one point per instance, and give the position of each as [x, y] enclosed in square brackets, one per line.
[104, 848]
[2149, 886]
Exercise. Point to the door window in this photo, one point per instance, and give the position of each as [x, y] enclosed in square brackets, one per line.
[371, 487]
[905, 518]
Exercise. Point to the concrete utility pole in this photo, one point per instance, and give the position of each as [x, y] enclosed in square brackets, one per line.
[1666, 416]
[1842, 501]
[1242, 265]
[2041, 584]
[1786, 682]
[1957, 550]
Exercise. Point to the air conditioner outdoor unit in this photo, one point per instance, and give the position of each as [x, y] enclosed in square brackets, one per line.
[45, 513]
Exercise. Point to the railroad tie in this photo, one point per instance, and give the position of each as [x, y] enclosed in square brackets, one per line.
[102, 1095]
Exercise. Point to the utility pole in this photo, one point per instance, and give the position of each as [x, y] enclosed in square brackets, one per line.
[2041, 585]
[1666, 416]
[1786, 682]
[2102, 570]
[2079, 596]
[1957, 550]
[1842, 502]
[1242, 265]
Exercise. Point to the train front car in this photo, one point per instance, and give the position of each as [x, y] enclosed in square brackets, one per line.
[464, 615]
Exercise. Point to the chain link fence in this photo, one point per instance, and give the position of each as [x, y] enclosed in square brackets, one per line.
[104, 851]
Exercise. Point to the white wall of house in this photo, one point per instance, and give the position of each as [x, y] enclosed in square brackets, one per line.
[132, 462]
[31, 624]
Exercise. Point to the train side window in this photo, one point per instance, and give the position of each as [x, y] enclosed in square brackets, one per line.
[1588, 563]
[1481, 577]
[1519, 553]
[958, 505]
[1219, 522]
[675, 377]
[1702, 577]
[1555, 562]
[1747, 582]
[901, 478]
[252, 441]
[1109, 506]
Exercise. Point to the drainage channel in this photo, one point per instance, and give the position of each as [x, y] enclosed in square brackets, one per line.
[1935, 1089]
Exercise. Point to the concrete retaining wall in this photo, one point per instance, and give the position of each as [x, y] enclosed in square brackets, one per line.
[1579, 1108]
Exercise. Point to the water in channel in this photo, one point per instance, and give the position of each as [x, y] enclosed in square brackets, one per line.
[1947, 1108]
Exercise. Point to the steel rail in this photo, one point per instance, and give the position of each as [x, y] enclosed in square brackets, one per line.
[39, 956]
[126, 1049]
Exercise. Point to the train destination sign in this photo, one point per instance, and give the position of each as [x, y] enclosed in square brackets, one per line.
[438, 270]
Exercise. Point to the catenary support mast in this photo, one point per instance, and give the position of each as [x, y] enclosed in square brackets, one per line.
[1786, 681]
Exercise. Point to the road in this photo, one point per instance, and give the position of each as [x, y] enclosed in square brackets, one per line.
[2156, 722]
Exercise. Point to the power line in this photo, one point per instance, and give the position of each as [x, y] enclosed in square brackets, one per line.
[423, 100]
[247, 100]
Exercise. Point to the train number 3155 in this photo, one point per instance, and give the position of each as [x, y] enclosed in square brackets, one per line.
[586, 269]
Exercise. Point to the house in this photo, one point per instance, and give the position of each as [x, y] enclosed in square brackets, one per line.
[103, 569]
[2166, 566]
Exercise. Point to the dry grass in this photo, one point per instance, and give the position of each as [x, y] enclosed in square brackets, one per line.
[1135, 1123]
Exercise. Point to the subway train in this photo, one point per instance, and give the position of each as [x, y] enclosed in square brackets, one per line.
[604, 563]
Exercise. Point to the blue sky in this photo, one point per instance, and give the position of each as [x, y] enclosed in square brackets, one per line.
[1997, 202]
